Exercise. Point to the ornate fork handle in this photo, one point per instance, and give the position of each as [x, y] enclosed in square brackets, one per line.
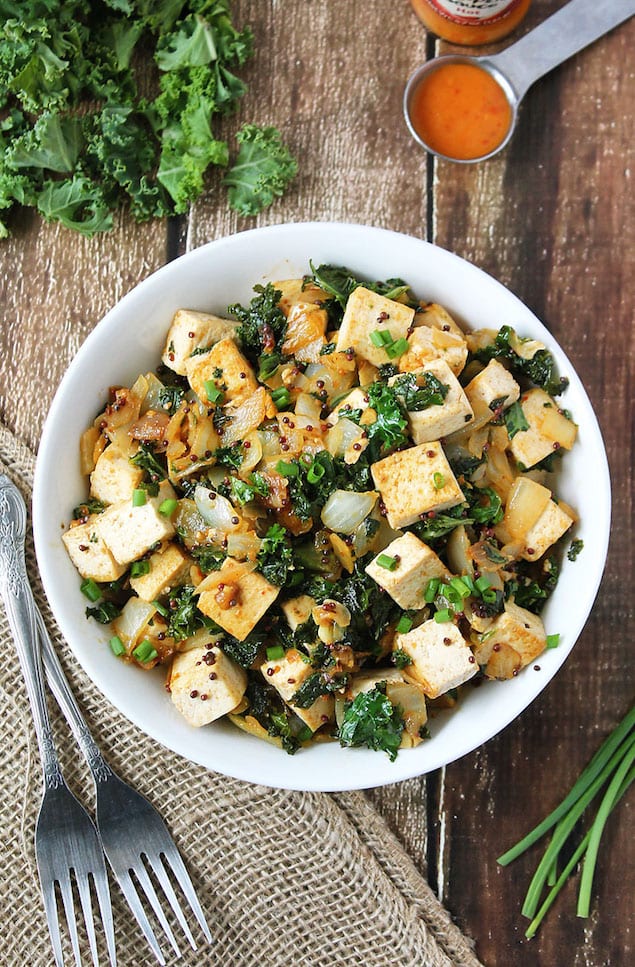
[66, 700]
[22, 614]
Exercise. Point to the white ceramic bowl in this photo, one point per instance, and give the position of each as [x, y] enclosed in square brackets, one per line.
[128, 341]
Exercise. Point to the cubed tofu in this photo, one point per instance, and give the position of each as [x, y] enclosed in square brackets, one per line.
[492, 384]
[550, 526]
[438, 420]
[514, 639]
[435, 336]
[167, 568]
[89, 553]
[129, 532]
[297, 611]
[414, 482]
[367, 312]
[191, 330]
[254, 595]
[441, 657]
[226, 366]
[114, 477]
[549, 429]
[203, 690]
[416, 565]
[286, 675]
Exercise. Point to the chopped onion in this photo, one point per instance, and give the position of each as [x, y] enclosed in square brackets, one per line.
[342, 436]
[243, 546]
[252, 454]
[131, 624]
[344, 511]
[217, 511]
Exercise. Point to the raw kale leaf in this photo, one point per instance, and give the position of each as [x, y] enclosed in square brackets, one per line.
[371, 720]
[263, 169]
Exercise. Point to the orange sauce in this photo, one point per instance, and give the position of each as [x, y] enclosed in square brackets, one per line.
[459, 110]
[459, 30]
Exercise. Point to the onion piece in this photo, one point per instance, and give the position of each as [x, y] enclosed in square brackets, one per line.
[133, 621]
[217, 511]
[344, 511]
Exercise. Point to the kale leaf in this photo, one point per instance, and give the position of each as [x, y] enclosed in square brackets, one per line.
[263, 169]
[262, 323]
[371, 720]
[419, 393]
[389, 431]
[146, 459]
[275, 558]
[539, 370]
[315, 686]
[184, 618]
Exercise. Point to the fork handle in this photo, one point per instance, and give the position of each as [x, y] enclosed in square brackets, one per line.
[22, 615]
[64, 697]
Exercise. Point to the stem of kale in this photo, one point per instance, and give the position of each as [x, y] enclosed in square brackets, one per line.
[613, 763]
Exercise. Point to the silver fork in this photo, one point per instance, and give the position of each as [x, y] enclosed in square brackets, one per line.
[131, 829]
[65, 838]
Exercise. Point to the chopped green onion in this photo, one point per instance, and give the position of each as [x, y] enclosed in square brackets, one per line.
[138, 568]
[138, 498]
[91, 589]
[404, 624]
[553, 641]
[274, 652]
[482, 583]
[145, 652]
[388, 562]
[460, 587]
[287, 469]
[168, 507]
[488, 595]
[316, 472]
[213, 393]
[304, 734]
[117, 646]
[381, 338]
[161, 608]
[438, 479]
[268, 364]
[468, 581]
[442, 616]
[397, 348]
[281, 397]
[430, 592]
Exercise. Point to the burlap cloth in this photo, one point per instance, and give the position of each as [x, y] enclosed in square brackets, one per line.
[285, 878]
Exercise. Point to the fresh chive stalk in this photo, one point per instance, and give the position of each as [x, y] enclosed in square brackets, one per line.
[613, 763]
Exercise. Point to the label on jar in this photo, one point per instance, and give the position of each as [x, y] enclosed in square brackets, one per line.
[473, 11]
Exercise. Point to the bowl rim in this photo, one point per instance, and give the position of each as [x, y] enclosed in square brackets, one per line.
[408, 764]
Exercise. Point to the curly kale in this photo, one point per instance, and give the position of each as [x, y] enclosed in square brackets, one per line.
[372, 720]
[263, 169]
[262, 323]
[419, 393]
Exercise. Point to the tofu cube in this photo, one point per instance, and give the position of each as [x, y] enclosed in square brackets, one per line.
[129, 532]
[439, 420]
[89, 553]
[286, 675]
[167, 568]
[226, 366]
[550, 526]
[199, 698]
[441, 657]
[297, 611]
[367, 312]
[114, 477]
[416, 565]
[435, 336]
[189, 331]
[514, 639]
[415, 481]
[254, 595]
[548, 429]
[491, 384]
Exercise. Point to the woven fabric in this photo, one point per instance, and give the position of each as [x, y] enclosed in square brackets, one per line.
[285, 878]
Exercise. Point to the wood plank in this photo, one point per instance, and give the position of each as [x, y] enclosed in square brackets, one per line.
[56, 285]
[552, 219]
[332, 81]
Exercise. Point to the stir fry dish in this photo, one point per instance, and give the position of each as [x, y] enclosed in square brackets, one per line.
[328, 513]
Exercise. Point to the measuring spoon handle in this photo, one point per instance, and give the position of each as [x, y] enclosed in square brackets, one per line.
[563, 34]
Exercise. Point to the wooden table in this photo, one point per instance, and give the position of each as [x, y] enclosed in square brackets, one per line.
[552, 218]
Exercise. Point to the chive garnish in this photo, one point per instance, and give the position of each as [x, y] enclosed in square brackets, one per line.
[315, 473]
[443, 615]
[397, 348]
[213, 393]
[91, 589]
[139, 568]
[430, 592]
[553, 641]
[388, 562]
[438, 479]
[381, 338]
[117, 646]
[168, 507]
[145, 652]
[281, 397]
[138, 498]
[274, 652]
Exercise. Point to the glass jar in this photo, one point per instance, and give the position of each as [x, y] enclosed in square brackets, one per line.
[471, 22]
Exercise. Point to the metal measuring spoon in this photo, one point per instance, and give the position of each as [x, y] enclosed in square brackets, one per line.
[517, 67]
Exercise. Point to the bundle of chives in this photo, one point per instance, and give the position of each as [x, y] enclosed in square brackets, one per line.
[613, 763]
